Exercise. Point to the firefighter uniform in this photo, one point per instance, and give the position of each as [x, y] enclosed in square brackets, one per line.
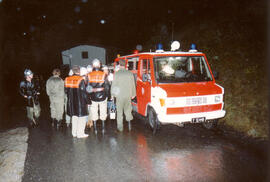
[98, 93]
[77, 104]
[30, 91]
[56, 93]
[123, 88]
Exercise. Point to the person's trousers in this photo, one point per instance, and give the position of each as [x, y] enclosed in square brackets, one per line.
[68, 118]
[78, 126]
[123, 105]
[102, 107]
[33, 112]
[89, 111]
[57, 109]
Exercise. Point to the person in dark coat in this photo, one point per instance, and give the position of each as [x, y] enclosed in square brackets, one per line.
[98, 87]
[77, 102]
[30, 91]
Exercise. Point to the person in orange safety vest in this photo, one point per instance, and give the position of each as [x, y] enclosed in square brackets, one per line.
[98, 88]
[77, 102]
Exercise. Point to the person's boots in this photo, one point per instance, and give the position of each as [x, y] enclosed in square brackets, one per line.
[58, 124]
[30, 124]
[95, 127]
[103, 126]
[52, 122]
[129, 126]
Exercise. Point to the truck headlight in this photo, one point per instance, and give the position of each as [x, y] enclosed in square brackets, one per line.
[170, 102]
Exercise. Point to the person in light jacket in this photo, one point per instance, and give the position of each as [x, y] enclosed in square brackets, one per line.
[55, 91]
[123, 89]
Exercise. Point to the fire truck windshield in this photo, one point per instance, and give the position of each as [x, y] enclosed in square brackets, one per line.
[176, 69]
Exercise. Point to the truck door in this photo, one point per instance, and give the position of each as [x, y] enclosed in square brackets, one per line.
[143, 85]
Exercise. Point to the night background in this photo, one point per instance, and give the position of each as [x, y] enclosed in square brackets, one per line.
[233, 34]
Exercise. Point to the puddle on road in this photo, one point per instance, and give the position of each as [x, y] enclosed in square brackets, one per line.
[204, 164]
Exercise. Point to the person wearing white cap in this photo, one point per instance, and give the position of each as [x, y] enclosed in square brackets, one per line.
[89, 68]
[98, 93]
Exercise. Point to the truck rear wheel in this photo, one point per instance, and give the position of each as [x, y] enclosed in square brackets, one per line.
[211, 124]
[153, 120]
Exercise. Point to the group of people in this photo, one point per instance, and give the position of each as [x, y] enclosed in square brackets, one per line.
[83, 95]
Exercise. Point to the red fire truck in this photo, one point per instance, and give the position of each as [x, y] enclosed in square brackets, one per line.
[175, 87]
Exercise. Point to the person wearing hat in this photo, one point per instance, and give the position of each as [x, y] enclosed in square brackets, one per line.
[98, 88]
[123, 89]
[76, 102]
[55, 91]
[30, 91]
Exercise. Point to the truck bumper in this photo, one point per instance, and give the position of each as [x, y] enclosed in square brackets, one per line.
[183, 118]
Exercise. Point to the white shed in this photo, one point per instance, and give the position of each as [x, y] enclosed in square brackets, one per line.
[83, 55]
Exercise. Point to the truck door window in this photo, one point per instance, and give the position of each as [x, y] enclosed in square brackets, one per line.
[130, 65]
[146, 69]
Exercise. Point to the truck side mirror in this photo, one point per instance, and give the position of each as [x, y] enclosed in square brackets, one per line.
[146, 77]
[215, 74]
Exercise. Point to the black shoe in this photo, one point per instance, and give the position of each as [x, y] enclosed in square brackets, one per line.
[53, 122]
[31, 124]
[95, 126]
[103, 126]
[59, 123]
[119, 131]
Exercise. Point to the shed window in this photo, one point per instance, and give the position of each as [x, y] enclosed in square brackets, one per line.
[85, 55]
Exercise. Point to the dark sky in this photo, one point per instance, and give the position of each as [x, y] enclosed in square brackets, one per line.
[126, 22]
[36, 31]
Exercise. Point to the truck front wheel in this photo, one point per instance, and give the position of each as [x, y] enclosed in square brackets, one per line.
[153, 120]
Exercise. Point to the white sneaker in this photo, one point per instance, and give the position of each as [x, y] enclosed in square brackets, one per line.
[83, 136]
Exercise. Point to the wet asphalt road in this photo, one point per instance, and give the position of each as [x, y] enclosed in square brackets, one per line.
[191, 153]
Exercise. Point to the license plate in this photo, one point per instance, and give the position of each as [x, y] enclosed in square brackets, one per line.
[198, 120]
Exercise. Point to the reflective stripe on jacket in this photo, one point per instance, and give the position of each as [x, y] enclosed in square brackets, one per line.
[30, 89]
[98, 81]
[73, 81]
[96, 77]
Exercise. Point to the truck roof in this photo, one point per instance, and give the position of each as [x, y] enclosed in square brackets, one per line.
[162, 53]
